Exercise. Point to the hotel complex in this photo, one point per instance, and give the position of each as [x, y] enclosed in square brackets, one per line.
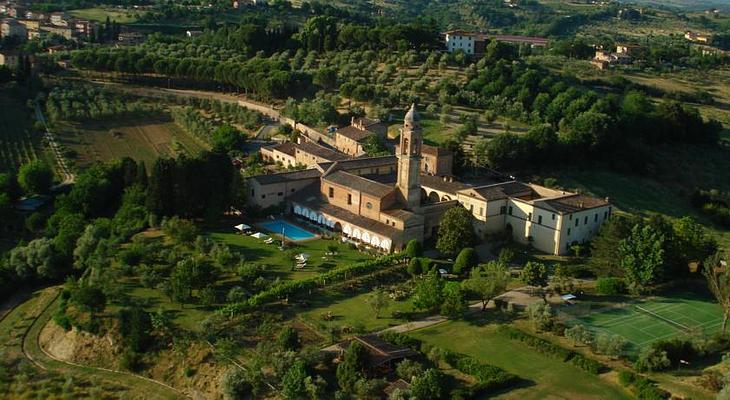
[386, 201]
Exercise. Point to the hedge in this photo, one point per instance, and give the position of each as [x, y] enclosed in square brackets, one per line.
[551, 349]
[610, 286]
[488, 376]
[587, 364]
[642, 387]
[541, 345]
[289, 288]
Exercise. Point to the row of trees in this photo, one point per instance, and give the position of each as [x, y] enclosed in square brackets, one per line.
[229, 112]
[175, 186]
[77, 102]
[257, 76]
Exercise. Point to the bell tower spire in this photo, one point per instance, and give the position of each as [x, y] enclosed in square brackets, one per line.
[409, 160]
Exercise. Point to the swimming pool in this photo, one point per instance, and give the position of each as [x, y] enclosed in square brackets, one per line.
[292, 232]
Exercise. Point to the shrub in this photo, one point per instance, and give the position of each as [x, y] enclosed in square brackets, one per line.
[610, 286]
[587, 364]
[414, 266]
[414, 249]
[289, 339]
[652, 359]
[130, 361]
[642, 387]
[432, 384]
[62, 320]
[541, 345]
[626, 378]
[647, 390]
[488, 376]
[506, 255]
[676, 349]
[465, 261]
[408, 369]
[400, 339]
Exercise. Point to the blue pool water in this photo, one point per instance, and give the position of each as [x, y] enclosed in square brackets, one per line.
[292, 232]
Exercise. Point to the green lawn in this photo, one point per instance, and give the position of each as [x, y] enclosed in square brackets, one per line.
[550, 379]
[100, 14]
[256, 251]
[354, 311]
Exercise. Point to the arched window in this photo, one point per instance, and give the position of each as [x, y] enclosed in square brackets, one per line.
[405, 146]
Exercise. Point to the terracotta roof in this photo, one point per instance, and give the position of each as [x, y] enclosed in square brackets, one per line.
[434, 150]
[358, 183]
[365, 162]
[322, 152]
[501, 38]
[366, 122]
[438, 183]
[313, 199]
[381, 351]
[287, 176]
[399, 213]
[354, 133]
[461, 32]
[519, 39]
[503, 190]
[286, 148]
[571, 203]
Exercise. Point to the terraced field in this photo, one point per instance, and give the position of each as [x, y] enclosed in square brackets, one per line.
[143, 139]
[18, 142]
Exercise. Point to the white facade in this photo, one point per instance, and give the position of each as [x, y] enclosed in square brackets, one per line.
[460, 41]
[546, 219]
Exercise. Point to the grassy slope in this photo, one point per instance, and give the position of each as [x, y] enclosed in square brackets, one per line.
[100, 14]
[255, 251]
[142, 138]
[665, 190]
[355, 311]
[258, 252]
[549, 378]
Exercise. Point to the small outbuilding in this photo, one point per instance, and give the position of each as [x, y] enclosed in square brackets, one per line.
[382, 356]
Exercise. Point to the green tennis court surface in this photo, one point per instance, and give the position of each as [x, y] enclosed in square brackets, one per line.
[657, 318]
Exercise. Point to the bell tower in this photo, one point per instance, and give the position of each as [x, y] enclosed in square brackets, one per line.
[409, 160]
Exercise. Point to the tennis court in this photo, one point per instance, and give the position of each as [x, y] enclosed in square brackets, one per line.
[657, 318]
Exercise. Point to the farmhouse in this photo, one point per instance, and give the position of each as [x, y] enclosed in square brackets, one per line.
[696, 37]
[382, 356]
[63, 31]
[60, 19]
[9, 59]
[475, 43]
[306, 153]
[11, 27]
[386, 201]
[350, 139]
[622, 56]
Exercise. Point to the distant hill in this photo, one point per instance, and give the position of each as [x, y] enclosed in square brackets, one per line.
[689, 5]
